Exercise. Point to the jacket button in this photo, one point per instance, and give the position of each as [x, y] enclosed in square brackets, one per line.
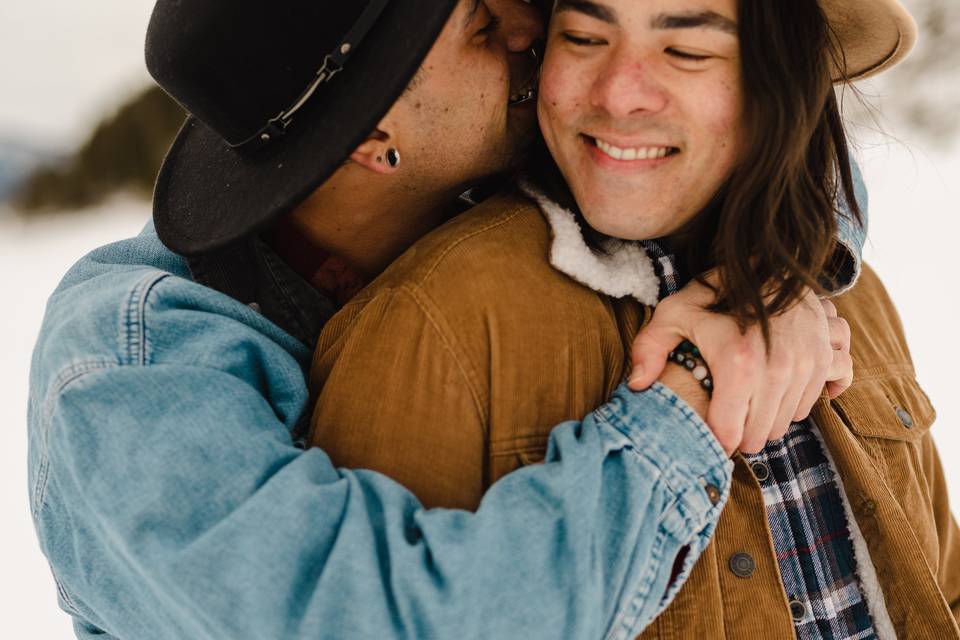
[713, 493]
[868, 507]
[905, 418]
[760, 470]
[742, 565]
[798, 610]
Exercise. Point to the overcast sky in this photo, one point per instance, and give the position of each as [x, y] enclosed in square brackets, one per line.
[63, 62]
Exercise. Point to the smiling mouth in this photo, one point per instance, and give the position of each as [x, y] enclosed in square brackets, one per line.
[632, 153]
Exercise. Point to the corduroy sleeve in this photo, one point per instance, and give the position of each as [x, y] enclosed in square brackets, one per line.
[948, 571]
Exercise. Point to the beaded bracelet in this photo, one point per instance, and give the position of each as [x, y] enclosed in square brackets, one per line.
[688, 356]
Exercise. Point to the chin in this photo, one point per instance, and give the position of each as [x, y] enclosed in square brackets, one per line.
[624, 225]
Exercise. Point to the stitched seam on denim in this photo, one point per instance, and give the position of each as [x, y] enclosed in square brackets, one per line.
[67, 600]
[622, 627]
[453, 347]
[135, 340]
[604, 413]
[678, 478]
[61, 382]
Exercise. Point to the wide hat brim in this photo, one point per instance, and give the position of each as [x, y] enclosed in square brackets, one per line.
[874, 35]
[209, 195]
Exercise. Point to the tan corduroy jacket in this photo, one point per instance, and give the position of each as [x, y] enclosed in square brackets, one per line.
[450, 370]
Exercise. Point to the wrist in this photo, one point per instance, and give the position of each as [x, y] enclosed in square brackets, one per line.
[682, 383]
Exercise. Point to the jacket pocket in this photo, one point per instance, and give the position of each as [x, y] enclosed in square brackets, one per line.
[535, 455]
[891, 417]
[508, 457]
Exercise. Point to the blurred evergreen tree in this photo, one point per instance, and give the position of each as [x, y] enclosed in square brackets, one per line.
[123, 153]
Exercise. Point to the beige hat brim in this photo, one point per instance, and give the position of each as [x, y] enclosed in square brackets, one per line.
[874, 34]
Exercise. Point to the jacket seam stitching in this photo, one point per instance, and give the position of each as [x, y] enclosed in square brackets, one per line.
[68, 601]
[135, 340]
[505, 218]
[451, 347]
[685, 414]
[892, 371]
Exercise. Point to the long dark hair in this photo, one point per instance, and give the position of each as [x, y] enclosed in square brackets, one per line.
[772, 228]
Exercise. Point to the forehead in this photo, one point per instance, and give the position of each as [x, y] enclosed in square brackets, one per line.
[657, 14]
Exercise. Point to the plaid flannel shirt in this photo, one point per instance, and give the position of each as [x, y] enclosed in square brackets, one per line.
[806, 518]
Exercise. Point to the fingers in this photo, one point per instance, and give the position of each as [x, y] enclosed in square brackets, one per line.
[649, 352]
[734, 385]
[841, 374]
[816, 377]
[829, 308]
[839, 333]
[788, 409]
[764, 417]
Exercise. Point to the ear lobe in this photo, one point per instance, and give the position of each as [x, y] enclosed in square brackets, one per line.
[372, 153]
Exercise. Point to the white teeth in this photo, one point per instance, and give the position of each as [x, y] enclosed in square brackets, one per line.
[640, 153]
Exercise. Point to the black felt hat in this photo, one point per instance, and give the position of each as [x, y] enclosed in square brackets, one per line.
[280, 94]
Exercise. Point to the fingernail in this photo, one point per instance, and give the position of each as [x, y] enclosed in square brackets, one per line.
[636, 374]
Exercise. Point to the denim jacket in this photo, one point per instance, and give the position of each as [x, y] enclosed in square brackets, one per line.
[171, 500]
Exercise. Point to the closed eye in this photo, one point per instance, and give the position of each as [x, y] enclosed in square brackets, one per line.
[582, 42]
[685, 55]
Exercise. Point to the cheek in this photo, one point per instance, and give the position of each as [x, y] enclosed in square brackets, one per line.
[721, 113]
[559, 91]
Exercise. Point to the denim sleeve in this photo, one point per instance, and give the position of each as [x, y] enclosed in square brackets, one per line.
[851, 236]
[172, 504]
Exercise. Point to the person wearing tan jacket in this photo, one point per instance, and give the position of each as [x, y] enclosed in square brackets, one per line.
[521, 313]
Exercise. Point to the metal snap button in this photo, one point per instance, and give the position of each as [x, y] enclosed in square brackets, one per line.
[760, 470]
[742, 565]
[905, 418]
[798, 610]
[713, 493]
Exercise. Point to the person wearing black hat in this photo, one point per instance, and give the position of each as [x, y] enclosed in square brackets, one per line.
[169, 487]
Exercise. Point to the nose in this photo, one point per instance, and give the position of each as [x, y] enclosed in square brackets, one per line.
[628, 86]
[522, 24]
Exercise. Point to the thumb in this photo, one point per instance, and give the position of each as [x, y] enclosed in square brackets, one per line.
[649, 353]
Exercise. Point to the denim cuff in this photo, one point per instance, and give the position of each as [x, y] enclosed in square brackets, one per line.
[851, 235]
[669, 435]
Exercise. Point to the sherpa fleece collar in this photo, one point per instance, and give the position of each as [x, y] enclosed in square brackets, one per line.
[623, 269]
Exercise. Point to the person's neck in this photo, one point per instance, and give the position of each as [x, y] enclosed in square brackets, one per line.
[356, 224]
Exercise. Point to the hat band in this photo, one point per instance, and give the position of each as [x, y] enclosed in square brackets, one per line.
[333, 64]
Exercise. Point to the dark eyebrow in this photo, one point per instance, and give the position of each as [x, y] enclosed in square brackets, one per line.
[695, 20]
[598, 11]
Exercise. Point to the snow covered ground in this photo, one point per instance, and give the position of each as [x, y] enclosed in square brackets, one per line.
[914, 229]
[33, 257]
